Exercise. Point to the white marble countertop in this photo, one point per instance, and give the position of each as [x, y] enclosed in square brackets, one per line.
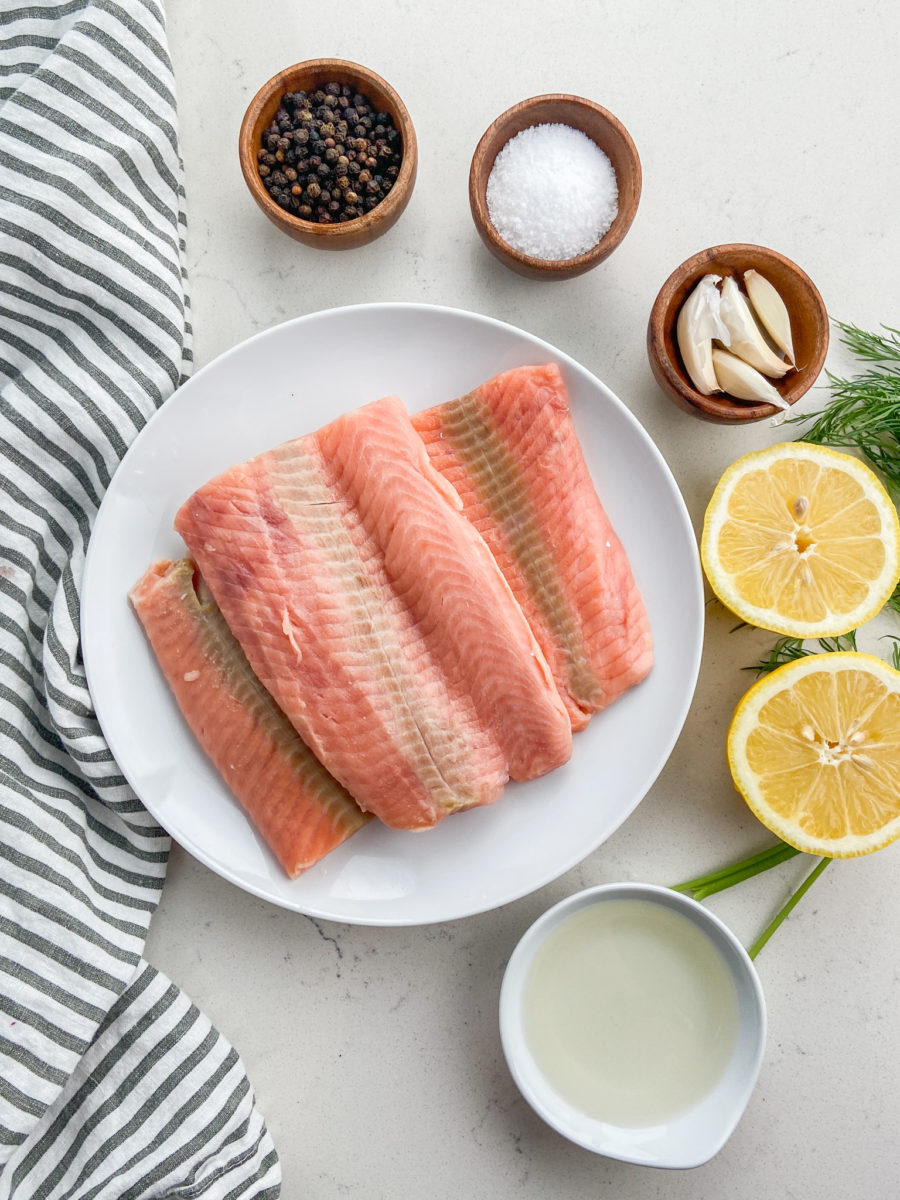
[375, 1052]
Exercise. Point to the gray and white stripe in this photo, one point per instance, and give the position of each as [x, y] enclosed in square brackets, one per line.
[111, 1083]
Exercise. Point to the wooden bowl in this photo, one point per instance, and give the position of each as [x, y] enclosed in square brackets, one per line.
[809, 329]
[602, 127]
[307, 76]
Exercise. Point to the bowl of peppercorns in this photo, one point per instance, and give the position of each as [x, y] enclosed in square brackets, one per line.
[328, 151]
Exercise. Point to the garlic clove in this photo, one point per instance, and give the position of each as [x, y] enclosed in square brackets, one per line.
[771, 310]
[698, 323]
[747, 340]
[739, 379]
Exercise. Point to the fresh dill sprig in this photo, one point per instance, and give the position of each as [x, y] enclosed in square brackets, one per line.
[864, 412]
[786, 649]
[893, 601]
[872, 347]
[895, 650]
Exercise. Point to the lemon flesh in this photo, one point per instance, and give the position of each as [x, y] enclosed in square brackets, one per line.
[814, 748]
[802, 540]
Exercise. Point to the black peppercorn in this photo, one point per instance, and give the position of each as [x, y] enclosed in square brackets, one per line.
[328, 155]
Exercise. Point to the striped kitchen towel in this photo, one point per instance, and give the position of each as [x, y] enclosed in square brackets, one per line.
[112, 1084]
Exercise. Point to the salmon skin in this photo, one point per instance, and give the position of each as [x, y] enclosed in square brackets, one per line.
[301, 812]
[376, 616]
[511, 452]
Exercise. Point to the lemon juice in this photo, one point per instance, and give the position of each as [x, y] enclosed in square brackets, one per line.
[630, 1012]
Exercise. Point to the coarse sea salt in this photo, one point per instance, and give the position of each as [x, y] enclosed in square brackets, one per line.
[552, 192]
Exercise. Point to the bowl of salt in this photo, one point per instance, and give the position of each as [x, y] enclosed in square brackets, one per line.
[554, 186]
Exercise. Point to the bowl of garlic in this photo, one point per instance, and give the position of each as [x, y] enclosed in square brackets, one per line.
[738, 333]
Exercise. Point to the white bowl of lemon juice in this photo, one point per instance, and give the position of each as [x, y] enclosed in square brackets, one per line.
[634, 1023]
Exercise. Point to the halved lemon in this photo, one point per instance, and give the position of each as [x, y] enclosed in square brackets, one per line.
[801, 540]
[814, 749]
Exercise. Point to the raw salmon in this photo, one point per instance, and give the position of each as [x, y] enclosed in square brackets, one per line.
[378, 619]
[510, 451]
[300, 810]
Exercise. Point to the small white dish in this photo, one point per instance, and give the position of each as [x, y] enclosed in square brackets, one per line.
[693, 1135]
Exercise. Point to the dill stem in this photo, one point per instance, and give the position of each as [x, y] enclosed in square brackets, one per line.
[788, 907]
[718, 881]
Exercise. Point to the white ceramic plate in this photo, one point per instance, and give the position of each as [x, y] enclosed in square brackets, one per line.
[291, 380]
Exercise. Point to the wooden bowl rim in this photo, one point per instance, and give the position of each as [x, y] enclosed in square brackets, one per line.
[721, 409]
[358, 227]
[480, 169]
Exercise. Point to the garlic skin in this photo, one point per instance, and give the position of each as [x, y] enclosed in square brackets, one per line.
[699, 321]
[739, 379]
[772, 311]
[747, 339]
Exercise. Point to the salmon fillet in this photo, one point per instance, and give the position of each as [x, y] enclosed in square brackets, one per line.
[375, 615]
[510, 451]
[301, 812]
